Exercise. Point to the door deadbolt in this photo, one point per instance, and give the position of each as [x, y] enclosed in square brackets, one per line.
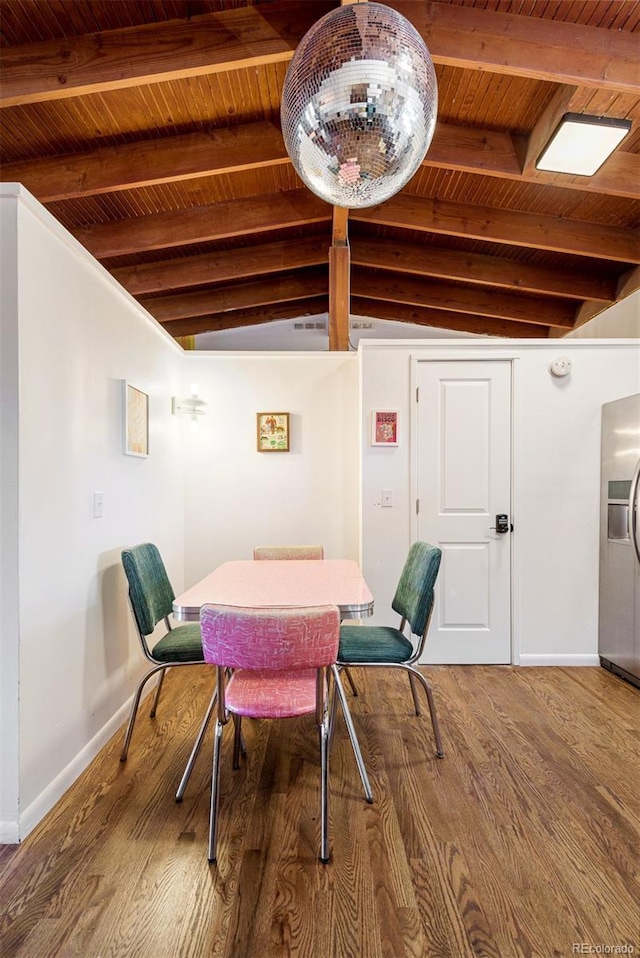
[502, 523]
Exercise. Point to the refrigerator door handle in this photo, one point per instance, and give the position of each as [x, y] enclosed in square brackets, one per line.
[633, 513]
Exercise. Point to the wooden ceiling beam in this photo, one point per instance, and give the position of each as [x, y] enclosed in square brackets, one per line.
[628, 283]
[211, 324]
[253, 214]
[235, 39]
[506, 156]
[545, 126]
[371, 309]
[619, 176]
[245, 262]
[507, 43]
[153, 53]
[339, 280]
[304, 284]
[441, 319]
[260, 145]
[512, 227]
[161, 160]
[367, 284]
[457, 298]
[480, 269]
[248, 317]
[224, 266]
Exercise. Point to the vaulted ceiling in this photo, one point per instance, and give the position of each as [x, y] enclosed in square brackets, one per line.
[150, 129]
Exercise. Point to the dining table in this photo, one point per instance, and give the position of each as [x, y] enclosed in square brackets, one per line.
[268, 583]
[249, 583]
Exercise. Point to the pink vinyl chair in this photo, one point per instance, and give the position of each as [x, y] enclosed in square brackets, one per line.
[302, 552]
[280, 659]
[288, 552]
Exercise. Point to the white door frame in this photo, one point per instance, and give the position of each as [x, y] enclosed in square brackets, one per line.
[415, 360]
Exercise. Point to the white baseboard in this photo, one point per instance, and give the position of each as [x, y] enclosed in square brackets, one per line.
[45, 801]
[562, 659]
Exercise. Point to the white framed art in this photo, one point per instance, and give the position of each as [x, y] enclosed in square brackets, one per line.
[135, 404]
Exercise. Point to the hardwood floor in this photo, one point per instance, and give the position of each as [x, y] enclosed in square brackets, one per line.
[523, 842]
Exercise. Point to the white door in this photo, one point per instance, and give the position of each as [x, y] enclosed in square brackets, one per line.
[463, 483]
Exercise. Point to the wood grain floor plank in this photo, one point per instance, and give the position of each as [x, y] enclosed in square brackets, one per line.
[562, 843]
[520, 843]
[416, 780]
[349, 878]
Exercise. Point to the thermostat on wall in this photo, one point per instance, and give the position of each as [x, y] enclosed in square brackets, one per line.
[560, 366]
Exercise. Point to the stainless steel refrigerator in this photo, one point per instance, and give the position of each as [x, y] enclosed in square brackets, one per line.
[619, 635]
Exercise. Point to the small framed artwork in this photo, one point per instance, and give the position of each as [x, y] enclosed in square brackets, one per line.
[273, 432]
[136, 420]
[384, 427]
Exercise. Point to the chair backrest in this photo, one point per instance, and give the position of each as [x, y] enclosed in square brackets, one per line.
[414, 595]
[274, 638]
[150, 591]
[288, 552]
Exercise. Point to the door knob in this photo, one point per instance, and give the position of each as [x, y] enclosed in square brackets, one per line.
[502, 523]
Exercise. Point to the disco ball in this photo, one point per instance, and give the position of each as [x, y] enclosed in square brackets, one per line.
[359, 105]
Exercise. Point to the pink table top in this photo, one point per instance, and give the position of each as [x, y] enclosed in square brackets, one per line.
[290, 582]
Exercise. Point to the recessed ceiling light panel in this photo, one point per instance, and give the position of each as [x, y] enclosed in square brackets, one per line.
[581, 144]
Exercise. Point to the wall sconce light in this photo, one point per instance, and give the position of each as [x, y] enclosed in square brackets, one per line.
[582, 143]
[191, 406]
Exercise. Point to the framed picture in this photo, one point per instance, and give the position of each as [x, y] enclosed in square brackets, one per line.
[136, 420]
[273, 432]
[384, 427]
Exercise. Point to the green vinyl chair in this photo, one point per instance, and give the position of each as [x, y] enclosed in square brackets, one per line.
[151, 599]
[374, 646]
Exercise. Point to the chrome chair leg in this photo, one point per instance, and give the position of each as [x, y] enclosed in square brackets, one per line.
[414, 693]
[352, 732]
[432, 707]
[238, 741]
[196, 747]
[324, 792]
[352, 684]
[134, 710]
[333, 711]
[215, 792]
[156, 698]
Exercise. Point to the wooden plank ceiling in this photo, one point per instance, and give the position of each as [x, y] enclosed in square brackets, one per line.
[150, 129]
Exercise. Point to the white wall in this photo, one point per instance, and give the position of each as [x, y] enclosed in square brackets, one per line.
[236, 497]
[556, 428]
[9, 612]
[79, 334]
